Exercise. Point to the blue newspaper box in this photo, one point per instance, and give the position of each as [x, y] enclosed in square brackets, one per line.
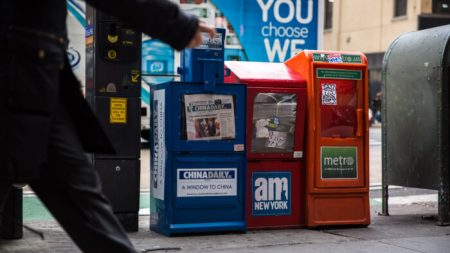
[197, 150]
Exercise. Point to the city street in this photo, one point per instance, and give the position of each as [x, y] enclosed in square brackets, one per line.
[237, 126]
[411, 226]
[257, 115]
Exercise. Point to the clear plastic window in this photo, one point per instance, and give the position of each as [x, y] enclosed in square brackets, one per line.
[207, 117]
[274, 116]
[338, 108]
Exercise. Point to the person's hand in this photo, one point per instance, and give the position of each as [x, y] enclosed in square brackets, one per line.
[202, 28]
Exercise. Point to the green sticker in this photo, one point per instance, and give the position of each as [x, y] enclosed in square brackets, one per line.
[339, 74]
[351, 58]
[336, 58]
[339, 162]
[320, 58]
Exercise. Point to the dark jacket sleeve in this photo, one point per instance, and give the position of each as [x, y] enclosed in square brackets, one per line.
[161, 19]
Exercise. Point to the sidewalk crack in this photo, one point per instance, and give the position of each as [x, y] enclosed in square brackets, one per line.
[402, 247]
[341, 235]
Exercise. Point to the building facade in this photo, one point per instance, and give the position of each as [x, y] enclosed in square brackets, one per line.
[370, 26]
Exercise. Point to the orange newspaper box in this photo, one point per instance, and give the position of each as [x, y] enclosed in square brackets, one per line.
[337, 137]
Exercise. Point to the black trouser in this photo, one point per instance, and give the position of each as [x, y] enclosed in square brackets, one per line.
[70, 188]
[4, 193]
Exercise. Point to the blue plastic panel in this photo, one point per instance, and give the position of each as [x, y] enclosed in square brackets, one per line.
[203, 192]
[206, 62]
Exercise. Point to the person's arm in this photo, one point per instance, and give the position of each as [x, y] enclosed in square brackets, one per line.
[197, 39]
[161, 19]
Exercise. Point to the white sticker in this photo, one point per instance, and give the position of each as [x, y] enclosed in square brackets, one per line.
[214, 43]
[329, 95]
[335, 58]
[207, 182]
[261, 128]
[277, 139]
[298, 154]
[159, 148]
[238, 147]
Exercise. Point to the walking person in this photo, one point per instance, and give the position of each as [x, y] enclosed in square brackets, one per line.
[46, 124]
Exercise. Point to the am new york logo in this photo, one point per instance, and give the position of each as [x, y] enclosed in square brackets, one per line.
[271, 193]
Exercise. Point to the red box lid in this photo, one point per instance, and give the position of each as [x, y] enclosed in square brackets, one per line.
[263, 74]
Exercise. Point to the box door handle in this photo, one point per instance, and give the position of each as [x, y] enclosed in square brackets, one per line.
[359, 122]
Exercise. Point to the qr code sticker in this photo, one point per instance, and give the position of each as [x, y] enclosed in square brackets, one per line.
[329, 96]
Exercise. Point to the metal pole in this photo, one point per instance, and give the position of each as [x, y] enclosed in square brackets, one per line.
[384, 173]
[443, 207]
[384, 200]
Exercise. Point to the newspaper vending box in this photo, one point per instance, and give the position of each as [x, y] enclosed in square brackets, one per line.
[276, 100]
[197, 148]
[337, 164]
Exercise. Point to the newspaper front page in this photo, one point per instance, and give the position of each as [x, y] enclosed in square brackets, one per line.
[209, 117]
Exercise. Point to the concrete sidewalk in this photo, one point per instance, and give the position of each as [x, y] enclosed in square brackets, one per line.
[410, 228]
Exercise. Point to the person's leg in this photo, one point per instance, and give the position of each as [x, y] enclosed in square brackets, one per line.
[11, 214]
[71, 190]
[4, 193]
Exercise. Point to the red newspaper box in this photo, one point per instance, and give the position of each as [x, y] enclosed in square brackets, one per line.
[276, 100]
[337, 162]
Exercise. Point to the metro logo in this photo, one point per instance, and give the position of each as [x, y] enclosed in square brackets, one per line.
[339, 162]
[271, 193]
